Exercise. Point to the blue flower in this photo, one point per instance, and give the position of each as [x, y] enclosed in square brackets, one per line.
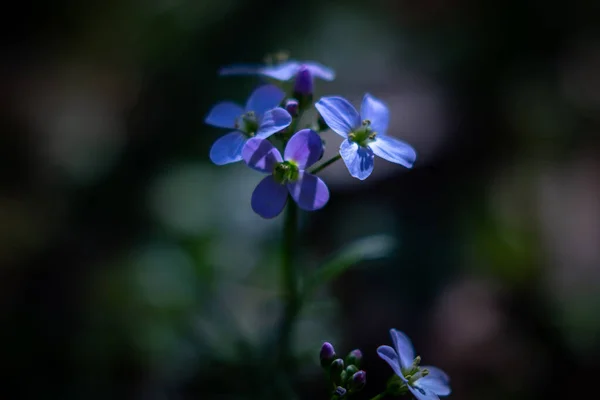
[261, 118]
[287, 174]
[425, 383]
[281, 72]
[365, 134]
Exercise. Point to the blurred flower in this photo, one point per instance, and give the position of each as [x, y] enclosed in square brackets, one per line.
[270, 196]
[291, 106]
[282, 72]
[304, 82]
[366, 137]
[425, 383]
[261, 118]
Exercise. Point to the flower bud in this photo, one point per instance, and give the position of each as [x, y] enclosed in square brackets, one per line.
[304, 82]
[351, 370]
[354, 358]
[358, 381]
[291, 106]
[327, 354]
[339, 392]
[335, 370]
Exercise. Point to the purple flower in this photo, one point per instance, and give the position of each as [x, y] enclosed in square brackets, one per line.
[287, 174]
[425, 383]
[365, 134]
[282, 72]
[261, 118]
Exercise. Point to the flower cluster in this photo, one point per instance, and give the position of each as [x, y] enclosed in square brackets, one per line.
[271, 118]
[424, 383]
[345, 376]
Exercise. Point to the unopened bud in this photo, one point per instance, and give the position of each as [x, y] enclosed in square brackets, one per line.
[351, 370]
[335, 370]
[291, 106]
[304, 82]
[339, 392]
[358, 381]
[327, 354]
[354, 358]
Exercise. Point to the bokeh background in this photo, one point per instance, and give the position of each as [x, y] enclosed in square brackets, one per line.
[133, 268]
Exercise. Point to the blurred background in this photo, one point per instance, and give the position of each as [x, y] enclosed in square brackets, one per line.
[131, 267]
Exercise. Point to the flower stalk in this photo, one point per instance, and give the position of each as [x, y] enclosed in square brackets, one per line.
[289, 285]
[326, 164]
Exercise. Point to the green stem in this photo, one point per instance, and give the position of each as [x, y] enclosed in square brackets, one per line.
[379, 396]
[326, 164]
[289, 284]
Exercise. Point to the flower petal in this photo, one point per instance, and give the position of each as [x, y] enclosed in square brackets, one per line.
[422, 393]
[387, 354]
[320, 71]
[339, 114]
[435, 384]
[437, 373]
[269, 198]
[394, 150]
[309, 191]
[264, 98]
[273, 121]
[228, 149]
[240, 69]
[282, 72]
[260, 155]
[304, 148]
[377, 112]
[359, 160]
[404, 348]
[224, 114]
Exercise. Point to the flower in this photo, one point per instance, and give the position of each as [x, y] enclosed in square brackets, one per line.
[281, 72]
[425, 383]
[365, 134]
[287, 174]
[261, 118]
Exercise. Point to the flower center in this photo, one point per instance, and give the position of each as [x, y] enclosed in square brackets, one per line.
[363, 135]
[247, 123]
[414, 372]
[285, 172]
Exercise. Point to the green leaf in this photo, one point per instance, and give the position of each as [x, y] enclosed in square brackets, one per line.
[369, 248]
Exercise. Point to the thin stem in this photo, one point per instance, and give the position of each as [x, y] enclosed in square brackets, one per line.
[379, 396]
[326, 164]
[289, 283]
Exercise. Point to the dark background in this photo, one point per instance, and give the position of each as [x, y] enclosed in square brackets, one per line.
[131, 267]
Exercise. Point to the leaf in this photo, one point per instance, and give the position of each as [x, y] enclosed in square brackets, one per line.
[369, 248]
